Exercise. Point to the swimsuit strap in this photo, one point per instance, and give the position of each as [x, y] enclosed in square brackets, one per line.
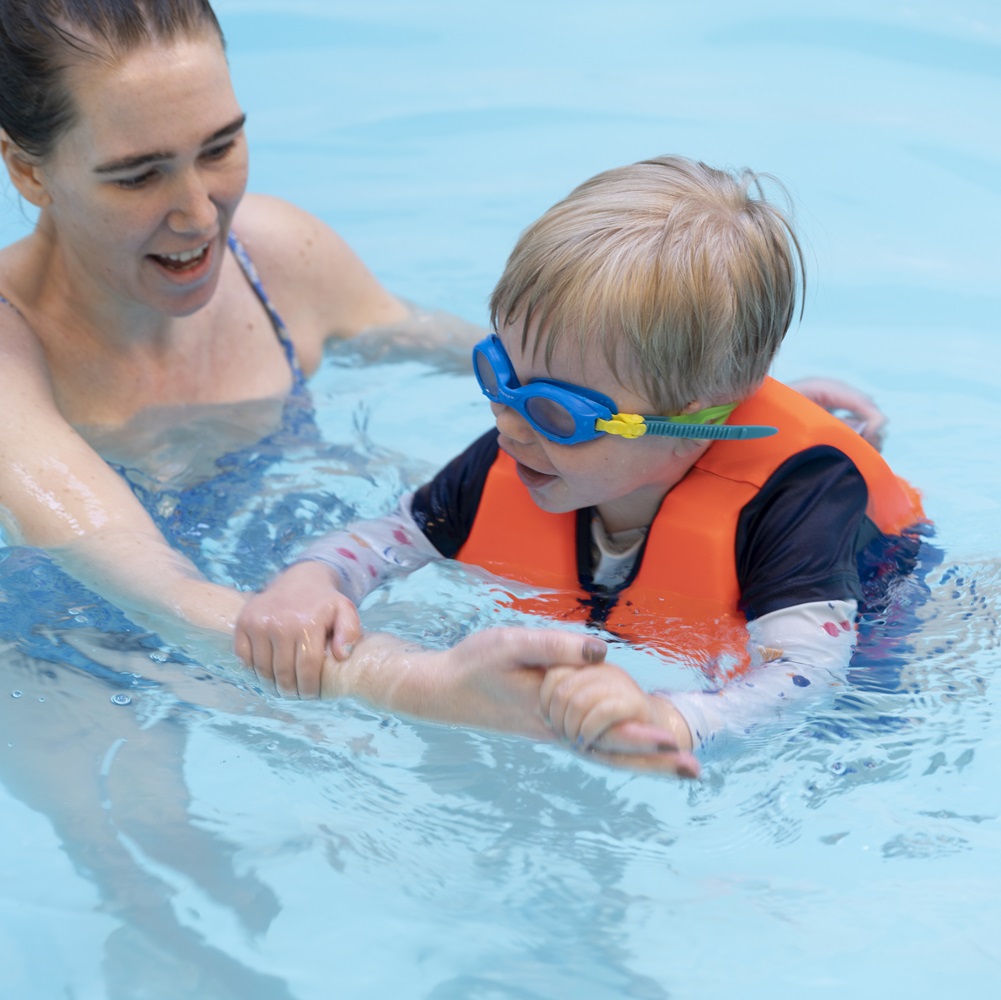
[250, 273]
[7, 302]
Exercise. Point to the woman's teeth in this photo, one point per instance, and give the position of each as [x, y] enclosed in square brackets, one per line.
[178, 261]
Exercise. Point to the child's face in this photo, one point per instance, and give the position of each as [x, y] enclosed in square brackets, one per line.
[625, 479]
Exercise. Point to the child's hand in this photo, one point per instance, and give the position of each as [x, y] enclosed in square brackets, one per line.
[602, 711]
[284, 632]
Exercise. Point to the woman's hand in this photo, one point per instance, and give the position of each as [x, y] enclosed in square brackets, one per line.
[862, 412]
[512, 680]
[285, 632]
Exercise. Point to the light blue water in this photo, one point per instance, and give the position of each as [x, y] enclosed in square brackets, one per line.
[200, 840]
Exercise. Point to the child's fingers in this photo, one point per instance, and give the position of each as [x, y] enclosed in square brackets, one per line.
[242, 647]
[347, 631]
[261, 658]
[310, 651]
[585, 711]
[681, 763]
[284, 652]
[252, 643]
[874, 431]
[599, 713]
[582, 704]
[635, 737]
[553, 678]
[554, 701]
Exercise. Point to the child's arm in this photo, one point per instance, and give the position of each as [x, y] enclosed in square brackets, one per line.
[798, 654]
[370, 552]
[284, 632]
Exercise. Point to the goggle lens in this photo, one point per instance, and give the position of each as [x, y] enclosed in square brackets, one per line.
[550, 417]
[486, 375]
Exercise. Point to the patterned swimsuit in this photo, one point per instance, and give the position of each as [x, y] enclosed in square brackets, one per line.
[237, 525]
[195, 517]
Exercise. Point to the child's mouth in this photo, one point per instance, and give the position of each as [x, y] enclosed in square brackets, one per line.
[532, 478]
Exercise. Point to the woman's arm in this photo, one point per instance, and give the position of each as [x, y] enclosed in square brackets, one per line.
[323, 290]
[495, 679]
[857, 409]
[58, 493]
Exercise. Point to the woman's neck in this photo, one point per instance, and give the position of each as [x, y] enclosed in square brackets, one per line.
[108, 359]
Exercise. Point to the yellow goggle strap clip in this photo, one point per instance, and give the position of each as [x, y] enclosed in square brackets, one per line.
[627, 425]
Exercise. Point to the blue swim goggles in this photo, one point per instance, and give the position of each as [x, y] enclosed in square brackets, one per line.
[569, 414]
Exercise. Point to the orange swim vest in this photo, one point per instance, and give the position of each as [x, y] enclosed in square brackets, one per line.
[684, 597]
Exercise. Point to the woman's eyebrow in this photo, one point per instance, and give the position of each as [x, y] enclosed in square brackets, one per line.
[143, 159]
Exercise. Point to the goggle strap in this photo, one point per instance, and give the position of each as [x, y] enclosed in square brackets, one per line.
[666, 427]
[710, 415]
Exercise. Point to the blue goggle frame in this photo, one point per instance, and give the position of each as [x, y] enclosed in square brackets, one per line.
[569, 414]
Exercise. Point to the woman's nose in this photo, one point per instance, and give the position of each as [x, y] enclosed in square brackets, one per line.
[193, 210]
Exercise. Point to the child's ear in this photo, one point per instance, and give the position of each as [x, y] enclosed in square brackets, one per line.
[25, 172]
[687, 447]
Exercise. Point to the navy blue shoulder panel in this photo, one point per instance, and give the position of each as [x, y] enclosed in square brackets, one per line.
[799, 540]
[445, 507]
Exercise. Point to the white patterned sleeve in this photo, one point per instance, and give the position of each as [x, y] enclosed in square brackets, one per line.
[370, 552]
[799, 656]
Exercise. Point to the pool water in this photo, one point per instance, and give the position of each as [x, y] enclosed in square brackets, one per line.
[170, 831]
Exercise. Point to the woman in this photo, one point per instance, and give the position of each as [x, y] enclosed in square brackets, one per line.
[127, 294]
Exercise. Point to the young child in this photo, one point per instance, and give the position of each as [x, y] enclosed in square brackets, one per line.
[644, 468]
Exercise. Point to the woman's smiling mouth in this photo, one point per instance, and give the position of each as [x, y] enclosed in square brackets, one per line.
[186, 260]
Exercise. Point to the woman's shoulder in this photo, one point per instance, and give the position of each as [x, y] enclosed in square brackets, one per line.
[316, 280]
[25, 374]
[14, 269]
[261, 214]
[285, 240]
[17, 338]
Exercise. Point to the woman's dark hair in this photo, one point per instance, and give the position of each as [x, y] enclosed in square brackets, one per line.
[40, 39]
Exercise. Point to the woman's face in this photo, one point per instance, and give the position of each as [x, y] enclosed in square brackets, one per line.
[140, 192]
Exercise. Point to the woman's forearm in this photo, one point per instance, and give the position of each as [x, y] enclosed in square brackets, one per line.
[489, 680]
[158, 588]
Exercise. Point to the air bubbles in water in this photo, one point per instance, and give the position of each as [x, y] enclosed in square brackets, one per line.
[121, 699]
[15, 694]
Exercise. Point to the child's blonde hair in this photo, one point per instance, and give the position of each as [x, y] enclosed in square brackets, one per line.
[687, 267]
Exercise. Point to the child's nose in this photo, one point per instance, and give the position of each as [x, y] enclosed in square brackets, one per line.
[512, 424]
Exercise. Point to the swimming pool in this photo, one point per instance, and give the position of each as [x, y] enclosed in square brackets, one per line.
[168, 832]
